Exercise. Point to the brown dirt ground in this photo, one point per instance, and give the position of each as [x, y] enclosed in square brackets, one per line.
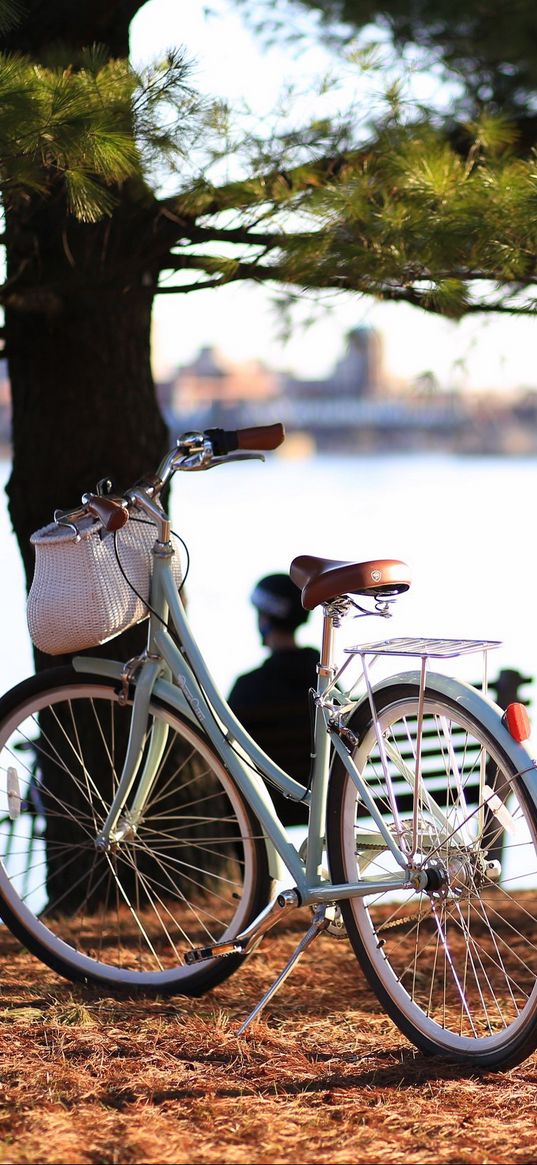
[323, 1077]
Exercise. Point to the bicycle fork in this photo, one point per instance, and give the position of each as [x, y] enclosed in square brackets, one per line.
[122, 822]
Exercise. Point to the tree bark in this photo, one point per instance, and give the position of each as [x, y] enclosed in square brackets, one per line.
[47, 24]
[78, 342]
[78, 313]
[84, 403]
[77, 327]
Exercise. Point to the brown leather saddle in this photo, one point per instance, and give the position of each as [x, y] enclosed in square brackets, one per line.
[324, 579]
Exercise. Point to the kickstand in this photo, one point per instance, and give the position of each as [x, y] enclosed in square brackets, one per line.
[319, 923]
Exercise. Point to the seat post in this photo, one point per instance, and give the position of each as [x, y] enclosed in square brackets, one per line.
[325, 666]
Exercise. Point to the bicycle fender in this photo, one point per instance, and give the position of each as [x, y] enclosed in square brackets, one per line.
[479, 706]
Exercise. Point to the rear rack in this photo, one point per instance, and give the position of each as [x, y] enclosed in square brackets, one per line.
[424, 649]
[433, 648]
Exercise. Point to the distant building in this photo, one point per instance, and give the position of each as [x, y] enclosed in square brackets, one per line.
[357, 376]
[360, 371]
[211, 378]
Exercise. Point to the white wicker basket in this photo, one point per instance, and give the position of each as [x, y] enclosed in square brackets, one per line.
[79, 597]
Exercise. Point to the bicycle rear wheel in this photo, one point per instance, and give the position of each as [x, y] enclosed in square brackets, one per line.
[454, 965]
[191, 872]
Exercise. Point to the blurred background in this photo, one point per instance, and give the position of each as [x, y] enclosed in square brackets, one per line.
[409, 436]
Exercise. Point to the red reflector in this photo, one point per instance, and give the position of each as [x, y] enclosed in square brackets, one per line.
[517, 722]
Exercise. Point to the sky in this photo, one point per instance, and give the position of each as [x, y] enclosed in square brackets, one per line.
[478, 353]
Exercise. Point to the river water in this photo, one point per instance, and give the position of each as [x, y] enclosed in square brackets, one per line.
[464, 525]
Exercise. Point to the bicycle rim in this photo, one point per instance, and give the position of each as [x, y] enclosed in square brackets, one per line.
[455, 965]
[192, 871]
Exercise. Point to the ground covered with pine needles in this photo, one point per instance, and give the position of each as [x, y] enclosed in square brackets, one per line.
[322, 1077]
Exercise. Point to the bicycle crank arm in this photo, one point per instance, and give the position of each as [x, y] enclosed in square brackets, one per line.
[287, 900]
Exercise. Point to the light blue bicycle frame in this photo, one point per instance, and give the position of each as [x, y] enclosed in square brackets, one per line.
[181, 680]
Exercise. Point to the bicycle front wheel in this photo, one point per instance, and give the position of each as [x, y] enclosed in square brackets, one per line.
[455, 964]
[190, 872]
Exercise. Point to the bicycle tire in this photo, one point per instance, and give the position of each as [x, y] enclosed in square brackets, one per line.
[454, 966]
[194, 871]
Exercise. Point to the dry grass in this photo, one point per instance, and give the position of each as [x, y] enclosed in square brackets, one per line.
[324, 1078]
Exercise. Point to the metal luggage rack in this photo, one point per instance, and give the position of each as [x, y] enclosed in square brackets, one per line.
[424, 648]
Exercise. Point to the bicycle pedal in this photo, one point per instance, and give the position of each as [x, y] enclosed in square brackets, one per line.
[219, 950]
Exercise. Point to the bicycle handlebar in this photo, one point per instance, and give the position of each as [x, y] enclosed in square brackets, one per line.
[198, 450]
[259, 437]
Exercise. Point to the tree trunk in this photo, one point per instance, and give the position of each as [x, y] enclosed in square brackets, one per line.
[77, 325]
[79, 311]
[84, 405]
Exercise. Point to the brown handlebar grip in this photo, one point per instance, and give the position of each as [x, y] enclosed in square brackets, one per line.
[261, 437]
[112, 514]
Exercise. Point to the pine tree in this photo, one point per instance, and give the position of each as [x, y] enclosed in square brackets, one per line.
[394, 208]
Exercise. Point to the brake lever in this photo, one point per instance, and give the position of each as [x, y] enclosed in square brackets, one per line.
[198, 461]
[236, 457]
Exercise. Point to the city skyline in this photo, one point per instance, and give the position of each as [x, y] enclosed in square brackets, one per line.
[355, 408]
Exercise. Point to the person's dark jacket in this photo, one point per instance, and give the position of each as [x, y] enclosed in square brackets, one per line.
[272, 703]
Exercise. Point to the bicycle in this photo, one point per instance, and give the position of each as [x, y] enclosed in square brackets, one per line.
[142, 850]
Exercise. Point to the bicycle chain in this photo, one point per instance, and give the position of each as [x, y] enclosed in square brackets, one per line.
[406, 918]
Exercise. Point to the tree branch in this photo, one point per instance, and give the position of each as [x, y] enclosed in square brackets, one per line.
[247, 235]
[262, 274]
[241, 271]
[183, 288]
[228, 267]
[182, 211]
